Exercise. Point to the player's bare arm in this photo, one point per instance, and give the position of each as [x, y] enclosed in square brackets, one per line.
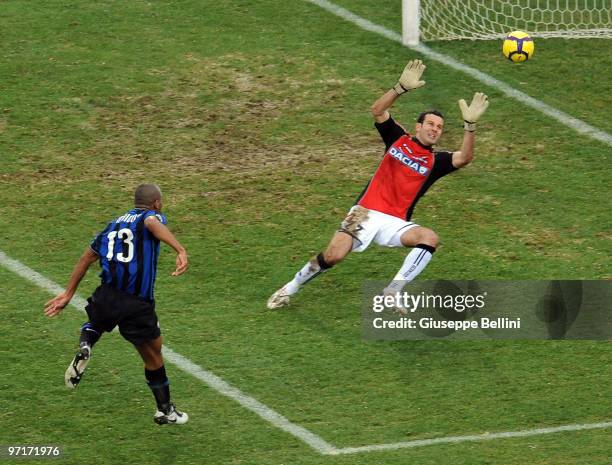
[471, 114]
[380, 108]
[465, 156]
[410, 79]
[161, 232]
[57, 304]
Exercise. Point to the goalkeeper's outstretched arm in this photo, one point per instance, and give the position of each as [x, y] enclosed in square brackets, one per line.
[380, 108]
[410, 79]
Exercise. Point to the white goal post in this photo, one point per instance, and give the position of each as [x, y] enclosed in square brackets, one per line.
[424, 20]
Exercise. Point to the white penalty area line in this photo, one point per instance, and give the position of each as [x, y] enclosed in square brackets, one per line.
[273, 417]
[565, 119]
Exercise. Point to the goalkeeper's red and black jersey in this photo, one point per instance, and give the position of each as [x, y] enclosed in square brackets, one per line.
[406, 171]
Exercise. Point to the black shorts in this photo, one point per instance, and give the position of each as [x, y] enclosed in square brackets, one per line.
[136, 318]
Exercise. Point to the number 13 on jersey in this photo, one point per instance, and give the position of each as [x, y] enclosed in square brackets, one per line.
[126, 236]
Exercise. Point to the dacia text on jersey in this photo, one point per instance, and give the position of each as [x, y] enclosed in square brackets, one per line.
[406, 160]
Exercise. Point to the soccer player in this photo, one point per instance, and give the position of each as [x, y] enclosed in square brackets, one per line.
[127, 250]
[383, 210]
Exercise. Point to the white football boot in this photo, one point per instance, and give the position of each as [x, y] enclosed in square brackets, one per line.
[280, 298]
[397, 304]
[172, 417]
[75, 370]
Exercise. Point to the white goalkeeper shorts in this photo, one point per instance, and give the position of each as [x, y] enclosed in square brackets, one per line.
[366, 226]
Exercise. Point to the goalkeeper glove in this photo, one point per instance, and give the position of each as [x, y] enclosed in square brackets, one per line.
[473, 113]
[410, 77]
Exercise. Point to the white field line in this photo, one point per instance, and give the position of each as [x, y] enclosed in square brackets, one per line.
[187, 366]
[276, 419]
[477, 437]
[265, 412]
[565, 119]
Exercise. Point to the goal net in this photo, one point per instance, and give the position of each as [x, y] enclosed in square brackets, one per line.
[425, 20]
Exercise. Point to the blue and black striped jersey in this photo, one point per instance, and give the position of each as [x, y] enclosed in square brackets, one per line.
[128, 253]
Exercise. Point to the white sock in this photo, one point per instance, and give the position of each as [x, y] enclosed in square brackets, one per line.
[415, 262]
[309, 271]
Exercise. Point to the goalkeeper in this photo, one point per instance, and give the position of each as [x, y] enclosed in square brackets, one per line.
[408, 168]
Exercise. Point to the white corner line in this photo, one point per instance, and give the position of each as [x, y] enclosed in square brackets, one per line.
[562, 117]
[276, 419]
[189, 367]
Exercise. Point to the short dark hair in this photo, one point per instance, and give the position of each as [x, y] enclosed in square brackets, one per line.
[146, 194]
[422, 116]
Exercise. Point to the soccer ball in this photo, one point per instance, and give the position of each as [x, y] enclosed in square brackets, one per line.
[518, 46]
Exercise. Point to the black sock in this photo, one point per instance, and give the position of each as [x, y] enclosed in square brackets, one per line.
[160, 387]
[322, 263]
[431, 249]
[89, 334]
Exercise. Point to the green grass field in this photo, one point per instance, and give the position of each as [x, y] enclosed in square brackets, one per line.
[254, 119]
